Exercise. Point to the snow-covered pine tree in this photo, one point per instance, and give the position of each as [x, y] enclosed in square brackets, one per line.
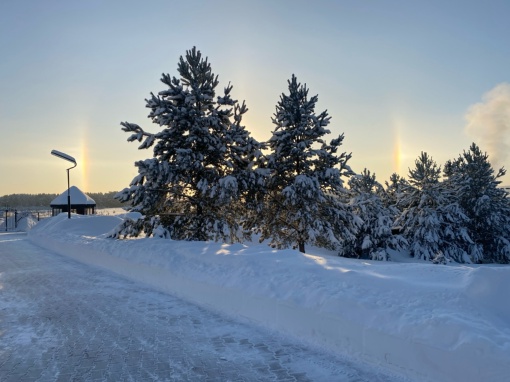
[432, 221]
[472, 179]
[375, 237]
[393, 189]
[204, 159]
[305, 200]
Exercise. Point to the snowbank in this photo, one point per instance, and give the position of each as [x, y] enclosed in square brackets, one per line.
[428, 322]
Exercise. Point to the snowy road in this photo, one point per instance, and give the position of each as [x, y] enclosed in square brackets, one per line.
[63, 320]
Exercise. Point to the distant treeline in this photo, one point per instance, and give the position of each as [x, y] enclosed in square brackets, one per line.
[42, 201]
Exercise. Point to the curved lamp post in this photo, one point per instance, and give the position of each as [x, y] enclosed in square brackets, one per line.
[69, 158]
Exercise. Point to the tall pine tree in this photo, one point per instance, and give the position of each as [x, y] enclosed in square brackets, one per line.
[473, 180]
[374, 239]
[305, 200]
[393, 189]
[203, 161]
[432, 221]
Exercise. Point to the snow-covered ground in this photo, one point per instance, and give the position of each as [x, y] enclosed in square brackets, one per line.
[428, 322]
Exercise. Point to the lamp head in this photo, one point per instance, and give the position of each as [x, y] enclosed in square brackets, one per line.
[64, 156]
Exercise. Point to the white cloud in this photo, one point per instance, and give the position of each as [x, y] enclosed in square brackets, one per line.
[488, 123]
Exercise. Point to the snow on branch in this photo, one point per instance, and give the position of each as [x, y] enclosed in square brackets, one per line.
[138, 135]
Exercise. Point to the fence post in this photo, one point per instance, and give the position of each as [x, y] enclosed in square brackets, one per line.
[5, 220]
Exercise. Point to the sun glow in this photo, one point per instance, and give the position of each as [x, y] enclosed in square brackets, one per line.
[84, 162]
[398, 154]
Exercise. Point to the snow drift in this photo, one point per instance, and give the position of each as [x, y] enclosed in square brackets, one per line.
[424, 321]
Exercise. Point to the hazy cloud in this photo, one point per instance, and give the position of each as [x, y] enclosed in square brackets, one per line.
[488, 123]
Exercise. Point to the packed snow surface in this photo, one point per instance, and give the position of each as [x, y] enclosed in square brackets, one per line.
[428, 322]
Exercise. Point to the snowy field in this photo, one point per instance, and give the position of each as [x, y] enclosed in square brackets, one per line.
[423, 321]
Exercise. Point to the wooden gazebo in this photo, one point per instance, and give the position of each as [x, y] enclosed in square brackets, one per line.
[81, 203]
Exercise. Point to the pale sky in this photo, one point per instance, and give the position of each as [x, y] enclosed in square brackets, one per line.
[397, 78]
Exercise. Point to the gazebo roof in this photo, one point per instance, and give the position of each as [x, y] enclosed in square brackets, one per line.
[77, 198]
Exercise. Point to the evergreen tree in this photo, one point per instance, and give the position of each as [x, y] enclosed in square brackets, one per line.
[472, 178]
[432, 221]
[305, 200]
[375, 237]
[203, 164]
[393, 189]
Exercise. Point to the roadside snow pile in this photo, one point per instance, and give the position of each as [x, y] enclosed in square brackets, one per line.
[428, 322]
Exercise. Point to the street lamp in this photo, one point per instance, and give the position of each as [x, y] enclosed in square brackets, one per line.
[69, 158]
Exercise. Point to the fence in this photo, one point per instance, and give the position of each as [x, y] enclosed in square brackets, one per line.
[13, 220]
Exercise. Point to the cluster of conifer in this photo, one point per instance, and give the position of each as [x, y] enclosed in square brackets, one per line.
[208, 179]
